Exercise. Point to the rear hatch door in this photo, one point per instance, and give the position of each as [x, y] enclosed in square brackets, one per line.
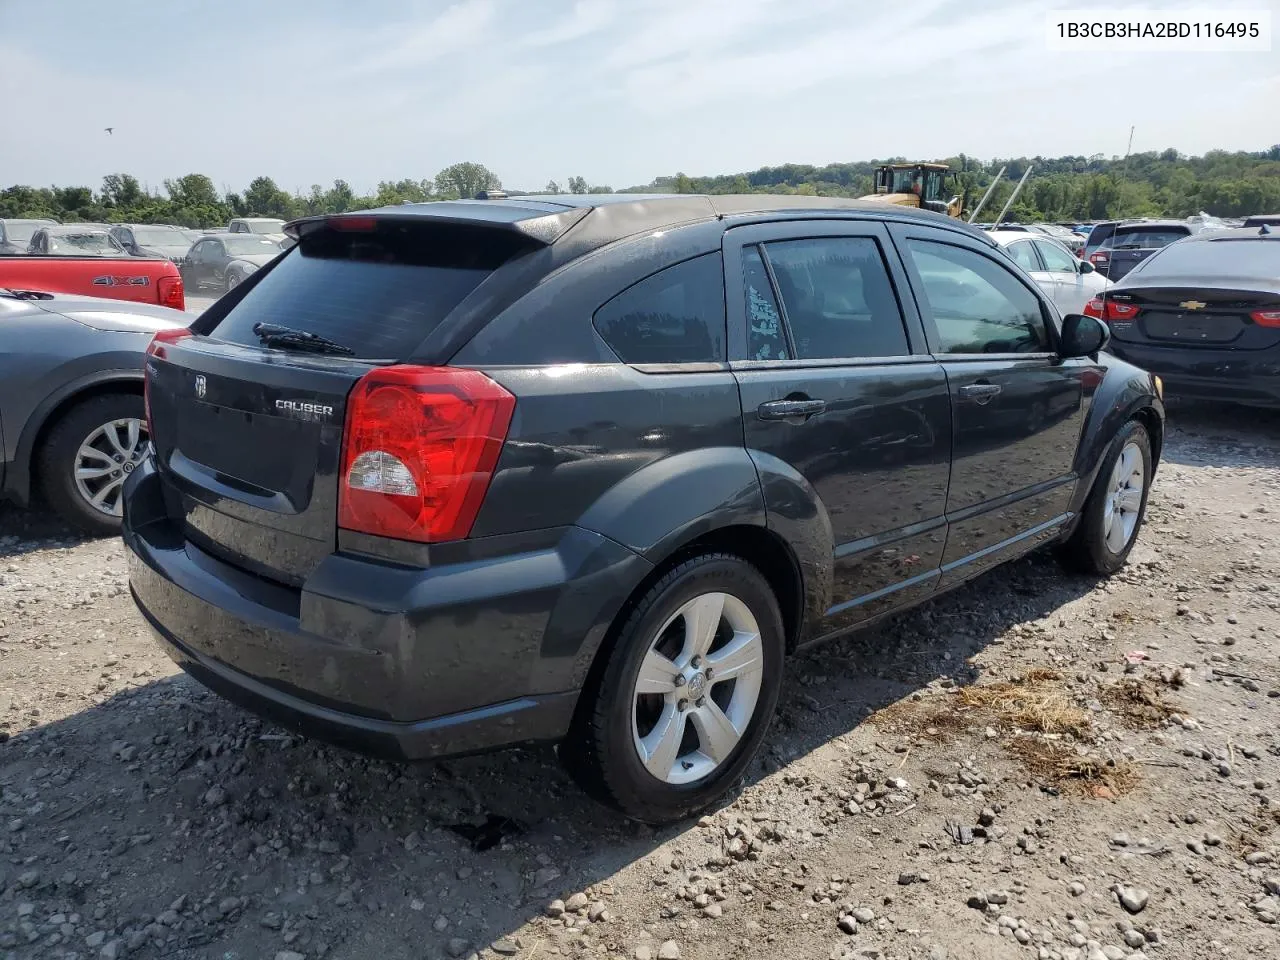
[1129, 245]
[1197, 317]
[247, 427]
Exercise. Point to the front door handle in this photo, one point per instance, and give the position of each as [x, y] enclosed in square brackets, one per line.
[979, 393]
[790, 409]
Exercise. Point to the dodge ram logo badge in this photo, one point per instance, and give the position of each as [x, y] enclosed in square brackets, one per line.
[201, 386]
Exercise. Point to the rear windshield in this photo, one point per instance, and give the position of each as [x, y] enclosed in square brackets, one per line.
[379, 292]
[94, 243]
[20, 230]
[244, 244]
[1144, 238]
[1217, 258]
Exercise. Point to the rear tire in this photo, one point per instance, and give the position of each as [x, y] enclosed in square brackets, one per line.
[686, 694]
[1116, 507]
[82, 440]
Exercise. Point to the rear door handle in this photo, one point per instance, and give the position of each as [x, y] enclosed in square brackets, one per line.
[979, 393]
[790, 409]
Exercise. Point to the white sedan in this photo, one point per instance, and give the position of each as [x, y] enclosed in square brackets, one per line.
[1069, 282]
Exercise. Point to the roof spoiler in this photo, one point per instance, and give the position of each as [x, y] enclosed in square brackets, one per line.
[533, 222]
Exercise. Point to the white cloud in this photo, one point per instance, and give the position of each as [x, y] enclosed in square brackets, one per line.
[418, 45]
[587, 17]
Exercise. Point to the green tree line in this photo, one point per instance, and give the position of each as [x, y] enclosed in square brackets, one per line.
[1164, 183]
[194, 201]
[1159, 183]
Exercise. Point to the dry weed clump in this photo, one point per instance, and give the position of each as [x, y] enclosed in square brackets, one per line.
[1060, 764]
[1138, 703]
[1048, 723]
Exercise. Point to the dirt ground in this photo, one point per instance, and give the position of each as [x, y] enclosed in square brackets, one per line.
[1037, 765]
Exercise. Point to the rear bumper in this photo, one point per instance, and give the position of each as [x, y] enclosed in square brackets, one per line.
[386, 660]
[1227, 376]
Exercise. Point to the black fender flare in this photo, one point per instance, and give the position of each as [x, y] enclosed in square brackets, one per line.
[694, 493]
[1125, 392]
[797, 515]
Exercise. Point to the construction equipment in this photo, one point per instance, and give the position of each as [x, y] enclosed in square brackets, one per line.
[916, 185]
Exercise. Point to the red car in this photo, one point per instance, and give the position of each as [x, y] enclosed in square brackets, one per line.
[94, 270]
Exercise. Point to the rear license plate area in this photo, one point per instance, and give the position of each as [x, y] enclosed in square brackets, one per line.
[1192, 327]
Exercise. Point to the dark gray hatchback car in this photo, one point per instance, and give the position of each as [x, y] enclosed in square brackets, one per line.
[454, 476]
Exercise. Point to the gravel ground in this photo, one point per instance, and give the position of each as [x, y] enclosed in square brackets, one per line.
[1037, 765]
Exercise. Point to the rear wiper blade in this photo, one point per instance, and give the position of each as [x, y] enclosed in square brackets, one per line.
[277, 335]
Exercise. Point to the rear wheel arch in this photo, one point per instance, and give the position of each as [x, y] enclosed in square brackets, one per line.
[760, 547]
[45, 417]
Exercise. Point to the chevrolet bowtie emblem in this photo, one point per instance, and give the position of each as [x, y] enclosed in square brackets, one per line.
[1192, 305]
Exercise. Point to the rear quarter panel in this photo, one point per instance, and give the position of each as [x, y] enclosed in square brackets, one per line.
[45, 361]
[117, 278]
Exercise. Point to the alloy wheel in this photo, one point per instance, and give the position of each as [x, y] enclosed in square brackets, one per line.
[1123, 505]
[105, 458]
[697, 688]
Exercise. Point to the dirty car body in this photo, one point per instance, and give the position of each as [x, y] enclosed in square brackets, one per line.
[660, 392]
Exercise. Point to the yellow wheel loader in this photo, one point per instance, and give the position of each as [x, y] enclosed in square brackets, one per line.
[916, 185]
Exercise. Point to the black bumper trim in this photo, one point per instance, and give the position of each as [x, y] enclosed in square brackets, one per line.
[543, 718]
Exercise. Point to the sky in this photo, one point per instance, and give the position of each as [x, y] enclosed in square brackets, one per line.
[616, 91]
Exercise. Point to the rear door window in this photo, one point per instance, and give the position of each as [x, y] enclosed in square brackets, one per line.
[674, 316]
[1024, 255]
[837, 298]
[379, 292]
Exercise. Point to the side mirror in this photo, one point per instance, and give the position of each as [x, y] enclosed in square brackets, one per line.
[1083, 336]
[1087, 267]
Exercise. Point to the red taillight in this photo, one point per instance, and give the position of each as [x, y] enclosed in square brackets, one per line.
[158, 348]
[419, 450]
[1266, 318]
[1098, 258]
[172, 293]
[1109, 310]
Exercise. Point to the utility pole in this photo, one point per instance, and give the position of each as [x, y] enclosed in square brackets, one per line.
[986, 196]
[1124, 174]
[1013, 196]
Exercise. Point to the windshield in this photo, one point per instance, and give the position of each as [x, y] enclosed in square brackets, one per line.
[1216, 259]
[902, 181]
[266, 226]
[1144, 238]
[20, 231]
[242, 245]
[159, 237]
[90, 243]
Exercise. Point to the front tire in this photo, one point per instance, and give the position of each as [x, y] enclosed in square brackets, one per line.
[1116, 507]
[86, 457]
[233, 280]
[686, 694]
